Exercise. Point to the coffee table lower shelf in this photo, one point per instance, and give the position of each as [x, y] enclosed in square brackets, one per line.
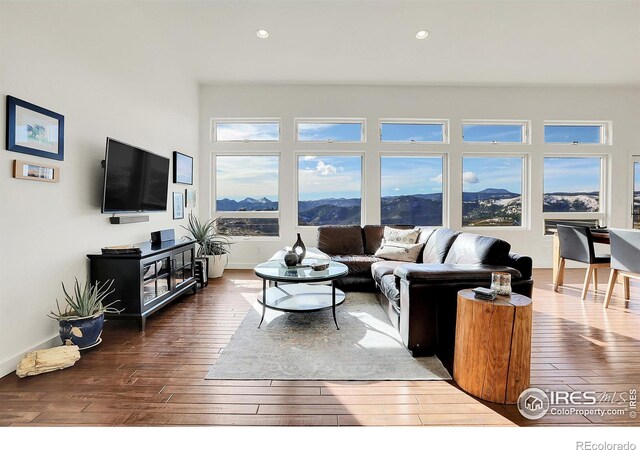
[301, 298]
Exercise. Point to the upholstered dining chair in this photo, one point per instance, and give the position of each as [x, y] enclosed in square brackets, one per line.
[576, 244]
[625, 260]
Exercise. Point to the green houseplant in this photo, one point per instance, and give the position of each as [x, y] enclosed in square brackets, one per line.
[211, 246]
[81, 320]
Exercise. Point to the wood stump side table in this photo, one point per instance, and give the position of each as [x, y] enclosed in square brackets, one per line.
[492, 358]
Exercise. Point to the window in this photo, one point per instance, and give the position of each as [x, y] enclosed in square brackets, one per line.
[636, 194]
[572, 184]
[246, 197]
[411, 190]
[417, 131]
[567, 133]
[492, 191]
[324, 130]
[231, 130]
[329, 190]
[495, 132]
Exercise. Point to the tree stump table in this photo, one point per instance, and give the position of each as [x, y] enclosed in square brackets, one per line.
[492, 358]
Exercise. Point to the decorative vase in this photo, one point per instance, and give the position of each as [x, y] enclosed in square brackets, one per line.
[291, 259]
[299, 249]
[216, 265]
[84, 332]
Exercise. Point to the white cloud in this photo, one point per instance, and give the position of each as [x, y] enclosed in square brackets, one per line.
[325, 169]
[396, 189]
[437, 179]
[308, 158]
[470, 177]
[241, 131]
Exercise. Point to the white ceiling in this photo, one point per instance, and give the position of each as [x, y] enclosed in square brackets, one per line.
[373, 42]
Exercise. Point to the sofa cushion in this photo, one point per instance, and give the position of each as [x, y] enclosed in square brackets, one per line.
[356, 263]
[437, 247]
[451, 273]
[382, 268]
[404, 236]
[397, 251]
[389, 289]
[470, 248]
[341, 239]
[373, 236]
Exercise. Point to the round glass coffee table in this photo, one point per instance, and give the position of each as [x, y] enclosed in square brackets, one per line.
[297, 296]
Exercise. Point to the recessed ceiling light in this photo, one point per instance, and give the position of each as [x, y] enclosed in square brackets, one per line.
[262, 34]
[422, 34]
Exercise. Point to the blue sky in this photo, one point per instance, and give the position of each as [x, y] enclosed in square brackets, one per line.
[490, 133]
[571, 175]
[239, 177]
[398, 132]
[568, 134]
[252, 131]
[406, 175]
[492, 172]
[339, 132]
[329, 177]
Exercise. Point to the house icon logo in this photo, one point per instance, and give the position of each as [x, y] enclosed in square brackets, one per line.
[533, 403]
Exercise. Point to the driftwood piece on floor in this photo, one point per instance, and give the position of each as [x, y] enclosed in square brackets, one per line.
[43, 361]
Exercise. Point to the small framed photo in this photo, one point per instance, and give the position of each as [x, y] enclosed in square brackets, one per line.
[34, 130]
[190, 198]
[178, 205]
[182, 168]
[35, 171]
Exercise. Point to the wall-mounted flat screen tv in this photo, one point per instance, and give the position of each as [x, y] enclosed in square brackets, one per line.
[135, 180]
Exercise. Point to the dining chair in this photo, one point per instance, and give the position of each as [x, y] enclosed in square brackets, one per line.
[625, 260]
[576, 244]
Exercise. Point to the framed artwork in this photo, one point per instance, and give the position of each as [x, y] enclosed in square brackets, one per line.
[182, 168]
[35, 171]
[178, 205]
[34, 130]
[190, 198]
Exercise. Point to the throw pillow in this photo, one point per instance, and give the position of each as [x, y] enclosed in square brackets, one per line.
[397, 235]
[397, 251]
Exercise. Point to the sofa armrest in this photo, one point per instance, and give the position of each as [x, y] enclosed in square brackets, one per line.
[450, 272]
[523, 263]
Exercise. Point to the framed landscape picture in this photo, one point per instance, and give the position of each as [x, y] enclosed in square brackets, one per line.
[190, 198]
[178, 205]
[36, 172]
[182, 168]
[34, 130]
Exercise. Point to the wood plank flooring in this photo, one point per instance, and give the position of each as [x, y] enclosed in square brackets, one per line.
[157, 377]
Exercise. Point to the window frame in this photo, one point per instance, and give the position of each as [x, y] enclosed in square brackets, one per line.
[327, 153]
[525, 124]
[333, 121]
[214, 121]
[445, 180]
[602, 215]
[245, 214]
[444, 123]
[525, 223]
[605, 131]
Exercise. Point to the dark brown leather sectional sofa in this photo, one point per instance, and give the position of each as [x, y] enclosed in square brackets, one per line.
[420, 298]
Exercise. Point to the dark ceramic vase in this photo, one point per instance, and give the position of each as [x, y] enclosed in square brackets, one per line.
[84, 332]
[290, 259]
[299, 249]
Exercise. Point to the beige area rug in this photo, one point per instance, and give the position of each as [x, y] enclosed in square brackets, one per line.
[295, 346]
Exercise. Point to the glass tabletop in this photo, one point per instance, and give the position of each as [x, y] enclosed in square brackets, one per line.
[277, 271]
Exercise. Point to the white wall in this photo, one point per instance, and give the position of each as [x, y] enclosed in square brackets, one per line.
[96, 65]
[619, 105]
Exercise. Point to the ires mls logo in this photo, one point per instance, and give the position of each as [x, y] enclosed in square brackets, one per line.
[533, 403]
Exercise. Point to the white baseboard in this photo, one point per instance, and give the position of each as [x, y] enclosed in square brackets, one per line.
[9, 365]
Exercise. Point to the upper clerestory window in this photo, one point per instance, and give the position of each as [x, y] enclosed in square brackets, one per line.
[577, 133]
[241, 130]
[495, 132]
[431, 131]
[330, 130]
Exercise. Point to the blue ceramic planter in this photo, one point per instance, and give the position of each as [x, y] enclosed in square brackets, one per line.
[84, 332]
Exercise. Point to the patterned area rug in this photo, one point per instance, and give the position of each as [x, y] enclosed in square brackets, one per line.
[308, 347]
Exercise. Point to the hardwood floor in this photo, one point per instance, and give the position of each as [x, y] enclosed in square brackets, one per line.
[157, 377]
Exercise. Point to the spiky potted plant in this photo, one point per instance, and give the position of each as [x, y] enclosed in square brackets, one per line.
[82, 318]
[211, 246]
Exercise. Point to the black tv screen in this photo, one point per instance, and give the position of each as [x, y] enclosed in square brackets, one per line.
[135, 180]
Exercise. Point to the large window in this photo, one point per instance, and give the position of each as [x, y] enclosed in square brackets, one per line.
[572, 184]
[492, 191]
[329, 190]
[327, 130]
[578, 133]
[411, 190]
[246, 200]
[413, 131]
[636, 194]
[236, 130]
[495, 132]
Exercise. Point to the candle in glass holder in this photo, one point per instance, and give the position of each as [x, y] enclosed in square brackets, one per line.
[501, 283]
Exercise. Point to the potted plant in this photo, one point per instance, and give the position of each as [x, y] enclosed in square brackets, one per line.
[82, 319]
[210, 246]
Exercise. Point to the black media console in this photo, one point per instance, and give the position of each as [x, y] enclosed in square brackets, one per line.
[147, 281]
